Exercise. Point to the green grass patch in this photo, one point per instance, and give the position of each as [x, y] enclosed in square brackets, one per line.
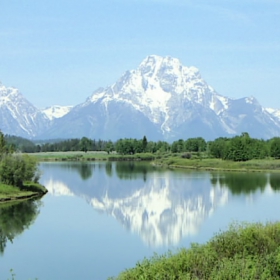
[6, 189]
[68, 156]
[90, 156]
[10, 193]
[219, 164]
[29, 189]
[244, 251]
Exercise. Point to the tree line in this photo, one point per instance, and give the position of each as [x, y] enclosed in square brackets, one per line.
[237, 148]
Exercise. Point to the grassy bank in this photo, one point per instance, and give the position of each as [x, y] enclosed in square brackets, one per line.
[246, 251]
[197, 161]
[200, 162]
[29, 190]
[218, 164]
[90, 156]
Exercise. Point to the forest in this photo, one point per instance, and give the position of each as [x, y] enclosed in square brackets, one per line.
[237, 148]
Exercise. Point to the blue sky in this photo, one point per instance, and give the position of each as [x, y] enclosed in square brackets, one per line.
[59, 52]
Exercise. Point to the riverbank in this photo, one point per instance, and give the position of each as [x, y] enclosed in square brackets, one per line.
[196, 162]
[29, 190]
[245, 251]
[210, 164]
[91, 156]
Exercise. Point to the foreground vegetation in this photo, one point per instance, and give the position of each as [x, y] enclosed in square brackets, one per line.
[244, 251]
[19, 174]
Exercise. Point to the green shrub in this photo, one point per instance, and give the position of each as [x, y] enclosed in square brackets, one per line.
[244, 251]
[15, 169]
[186, 155]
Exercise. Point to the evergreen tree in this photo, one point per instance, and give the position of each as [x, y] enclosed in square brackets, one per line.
[2, 144]
[275, 147]
[144, 144]
[85, 144]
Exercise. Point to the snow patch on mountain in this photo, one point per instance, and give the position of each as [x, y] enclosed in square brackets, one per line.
[274, 112]
[56, 111]
[8, 95]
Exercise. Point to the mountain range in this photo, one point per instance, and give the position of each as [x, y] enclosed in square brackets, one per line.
[161, 99]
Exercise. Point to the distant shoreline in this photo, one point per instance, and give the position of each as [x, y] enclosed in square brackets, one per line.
[170, 160]
[215, 165]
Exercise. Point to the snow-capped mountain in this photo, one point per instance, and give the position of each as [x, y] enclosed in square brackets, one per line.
[163, 99]
[18, 116]
[56, 111]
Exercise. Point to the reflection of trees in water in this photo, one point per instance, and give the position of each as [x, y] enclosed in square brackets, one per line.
[241, 183]
[214, 179]
[15, 218]
[83, 168]
[274, 180]
[127, 170]
[109, 169]
[131, 170]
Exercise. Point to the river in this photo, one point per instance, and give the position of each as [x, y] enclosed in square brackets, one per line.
[100, 218]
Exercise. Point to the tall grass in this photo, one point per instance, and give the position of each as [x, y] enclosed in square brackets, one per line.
[244, 251]
[202, 162]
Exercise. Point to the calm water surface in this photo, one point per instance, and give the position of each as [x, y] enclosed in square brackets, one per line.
[100, 218]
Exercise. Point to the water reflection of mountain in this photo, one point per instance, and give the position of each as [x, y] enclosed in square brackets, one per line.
[15, 218]
[163, 212]
[162, 206]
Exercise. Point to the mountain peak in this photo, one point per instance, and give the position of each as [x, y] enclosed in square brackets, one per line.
[9, 95]
[251, 100]
[156, 59]
[18, 116]
[158, 65]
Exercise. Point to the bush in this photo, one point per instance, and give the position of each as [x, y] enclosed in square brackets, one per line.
[245, 251]
[15, 169]
[186, 155]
